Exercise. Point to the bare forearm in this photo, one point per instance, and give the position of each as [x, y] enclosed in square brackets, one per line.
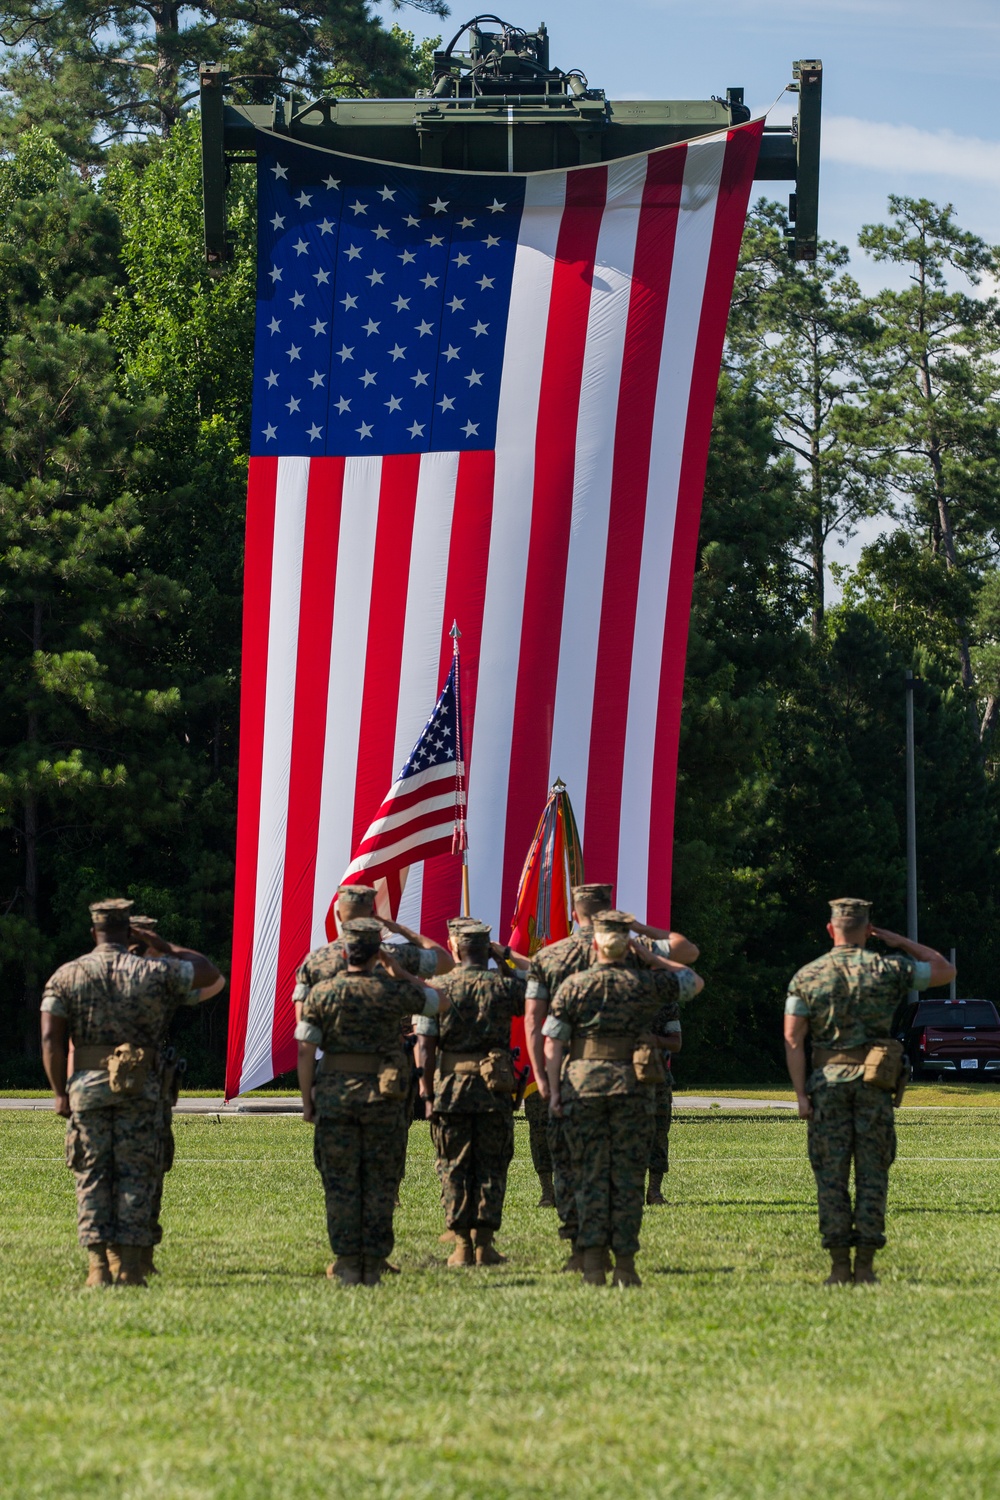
[535, 1012]
[942, 969]
[307, 1076]
[553, 1067]
[795, 1061]
[54, 1061]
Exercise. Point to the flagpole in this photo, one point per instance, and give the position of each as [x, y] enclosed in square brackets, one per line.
[455, 634]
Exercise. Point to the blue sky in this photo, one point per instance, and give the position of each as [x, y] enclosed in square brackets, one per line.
[909, 85]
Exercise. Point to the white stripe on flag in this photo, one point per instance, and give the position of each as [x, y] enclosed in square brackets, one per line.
[282, 651]
[595, 451]
[352, 601]
[702, 174]
[514, 489]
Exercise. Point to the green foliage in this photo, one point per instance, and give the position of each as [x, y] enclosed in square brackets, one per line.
[92, 75]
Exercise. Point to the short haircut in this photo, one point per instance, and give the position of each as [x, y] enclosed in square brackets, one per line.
[473, 945]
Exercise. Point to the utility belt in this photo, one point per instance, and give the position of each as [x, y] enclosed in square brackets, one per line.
[392, 1072]
[128, 1066]
[883, 1062]
[646, 1058]
[494, 1067]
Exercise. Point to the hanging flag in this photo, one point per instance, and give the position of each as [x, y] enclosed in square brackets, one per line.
[482, 395]
[423, 813]
[544, 910]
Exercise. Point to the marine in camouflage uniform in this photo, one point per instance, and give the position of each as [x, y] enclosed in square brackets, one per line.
[168, 1093]
[355, 1016]
[844, 1001]
[108, 999]
[550, 966]
[416, 954]
[472, 1125]
[602, 1013]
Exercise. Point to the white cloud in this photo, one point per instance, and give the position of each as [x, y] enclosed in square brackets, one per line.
[906, 148]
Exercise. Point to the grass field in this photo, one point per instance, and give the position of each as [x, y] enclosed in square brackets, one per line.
[243, 1373]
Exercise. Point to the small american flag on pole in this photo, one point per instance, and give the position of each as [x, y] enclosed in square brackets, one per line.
[423, 813]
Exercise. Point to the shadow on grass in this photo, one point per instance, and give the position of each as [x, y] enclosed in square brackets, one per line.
[690, 1270]
[803, 1205]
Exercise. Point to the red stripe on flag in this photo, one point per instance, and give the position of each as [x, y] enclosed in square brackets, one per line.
[742, 149]
[305, 778]
[390, 867]
[261, 493]
[551, 516]
[652, 266]
[386, 836]
[464, 599]
[386, 620]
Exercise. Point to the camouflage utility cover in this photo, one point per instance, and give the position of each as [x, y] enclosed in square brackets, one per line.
[111, 996]
[610, 1000]
[356, 1013]
[483, 1002]
[849, 995]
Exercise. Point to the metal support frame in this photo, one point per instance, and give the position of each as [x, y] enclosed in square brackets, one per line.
[424, 130]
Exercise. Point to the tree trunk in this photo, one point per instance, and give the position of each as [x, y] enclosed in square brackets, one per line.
[32, 978]
[817, 539]
[166, 23]
[989, 720]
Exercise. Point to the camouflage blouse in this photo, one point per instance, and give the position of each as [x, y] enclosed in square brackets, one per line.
[111, 996]
[483, 1002]
[571, 955]
[356, 1013]
[610, 1000]
[325, 962]
[849, 995]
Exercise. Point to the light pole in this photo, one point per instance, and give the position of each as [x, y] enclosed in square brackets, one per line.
[911, 822]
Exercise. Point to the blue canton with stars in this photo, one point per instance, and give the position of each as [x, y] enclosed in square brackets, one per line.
[382, 302]
[438, 738]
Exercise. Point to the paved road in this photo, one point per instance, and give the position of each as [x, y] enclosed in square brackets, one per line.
[293, 1107]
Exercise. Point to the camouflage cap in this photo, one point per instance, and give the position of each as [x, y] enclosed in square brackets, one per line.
[591, 893]
[357, 893]
[457, 925]
[150, 923]
[613, 921]
[850, 911]
[115, 910]
[363, 927]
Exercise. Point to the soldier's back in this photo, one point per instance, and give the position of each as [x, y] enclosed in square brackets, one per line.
[851, 993]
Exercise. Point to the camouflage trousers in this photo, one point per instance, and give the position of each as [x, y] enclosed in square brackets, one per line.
[609, 1137]
[659, 1151]
[563, 1178]
[474, 1151]
[114, 1154]
[851, 1122]
[167, 1149]
[536, 1112]
[357, 1155]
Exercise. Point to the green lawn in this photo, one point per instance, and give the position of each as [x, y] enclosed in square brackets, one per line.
[243, 1373]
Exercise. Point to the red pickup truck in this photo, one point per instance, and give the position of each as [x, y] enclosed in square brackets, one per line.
[952, 1038]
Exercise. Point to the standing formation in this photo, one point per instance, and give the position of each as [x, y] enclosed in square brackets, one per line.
[386, 1017]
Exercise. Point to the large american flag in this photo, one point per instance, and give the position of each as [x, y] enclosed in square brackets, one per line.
[485, 397]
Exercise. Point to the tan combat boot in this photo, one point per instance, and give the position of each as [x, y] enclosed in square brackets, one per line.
[373, 1271]
[864, 1271]
[486, 1255]
[463, 1253]
[347, 1270]
[448, 1238]
[114, 1262]
[840, 1267]
[99, 1272]
[653, 1193]
[625, 1272]
[131, 1273]
[575, 1262]
[594, 1273]
[548, 1198]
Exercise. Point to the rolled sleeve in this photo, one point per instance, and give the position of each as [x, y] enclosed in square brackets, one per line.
[432, 1002]
[425, 1025]
[796, 1006]
[556, 1030]
[661, 947]
[428, 962]
[536, 988]
[921, 975]
[300, 992]
[305, 1031]
[54, 1005]
[672, 1028]
[687, 984]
